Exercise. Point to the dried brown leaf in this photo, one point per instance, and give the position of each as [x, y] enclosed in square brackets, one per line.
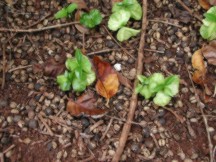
[108, 82]
[84, 106]
[199, 66]
[81, 3]
[204, 4]
[124, 81]
[209, 52]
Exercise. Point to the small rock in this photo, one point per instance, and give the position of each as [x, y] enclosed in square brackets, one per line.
[5, 140]
[33, 123]
[135, 147]
[188, 160]
[3, 103]
[54, 145]
[117, 67]
[13, 105]
[37, 86]
[17, 118]
[85, 122]
[31, 114]
[146, 132]
[149, 143]
[49, 111]
[111, 152]
[132, 74]
[117, 127]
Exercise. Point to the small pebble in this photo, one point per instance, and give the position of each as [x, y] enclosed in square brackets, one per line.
[13, 105]
[49, 111]
[135, 147]
[33, 123]
[117, 67]
[188, 160]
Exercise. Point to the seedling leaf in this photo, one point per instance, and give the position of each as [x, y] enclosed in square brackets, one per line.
[91, 19]
[125, 33]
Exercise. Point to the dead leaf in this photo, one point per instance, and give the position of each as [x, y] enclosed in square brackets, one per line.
[204, 4]
[124, 81]
[209, 52]
[79, 27]
[51, 67]
[199, 66]
[84, 106]
[81, 3]
[108, 82]
[212, 2]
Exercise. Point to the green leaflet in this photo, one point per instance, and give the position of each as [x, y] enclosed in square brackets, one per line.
[91, 19]
[208, 29]
[131, 6]
[125, 33]
[66, 11]
[118, 19]
[158, 87]
[79, 74]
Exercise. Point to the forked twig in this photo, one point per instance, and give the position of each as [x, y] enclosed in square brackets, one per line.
[133, 102]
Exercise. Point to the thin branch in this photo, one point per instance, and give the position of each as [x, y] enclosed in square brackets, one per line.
[178, 117]
[3, 66]
[107, 129]
[46, 125]
[189, 10]
[19, 67]
[133, 102]
[38, 21]
[166, 22]
[37, 30]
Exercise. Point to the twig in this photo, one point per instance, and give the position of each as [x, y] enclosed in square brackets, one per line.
[45, 124]
[37, 30]
[107, 129]
[155, 140]
[189, 10]
[201, 106]
[38, 21]
[87, 159]
[110, 50]
[133, 102]
[19, 67]
[118, 43]
[9, 148]
[178, 117]
[2, 157]
[96, 125]
[166, 22]
[3, 66]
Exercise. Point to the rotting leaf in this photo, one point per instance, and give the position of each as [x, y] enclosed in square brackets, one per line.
[199, 66]
[85, 106]
[209, 52]
[124, 81]
[81, 3]
[204, 4]
[51, 67]
[108, 82]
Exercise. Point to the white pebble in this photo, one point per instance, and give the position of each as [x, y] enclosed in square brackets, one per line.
[117, 67]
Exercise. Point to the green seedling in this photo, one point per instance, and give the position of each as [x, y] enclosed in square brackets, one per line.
[91, 19]
[66, 11]
[208, 29]
[79, 73]
[132, 6]
[122, 12]
[160, 88]
[125, 33]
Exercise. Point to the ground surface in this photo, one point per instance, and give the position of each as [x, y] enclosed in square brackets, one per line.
[156, 133]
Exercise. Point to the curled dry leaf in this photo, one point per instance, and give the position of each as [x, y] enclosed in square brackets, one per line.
[79, 27]
[124, 81]
[199, 66]
[50, 67]
[209, 52]
[81, 3]
[204, 4]
[85, 106]
[108, 82]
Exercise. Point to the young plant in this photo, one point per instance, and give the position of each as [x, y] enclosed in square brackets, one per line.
[160, 88]
[132, 6]
[91, 19]
[208, 29]
[66, 11]
[79, 73]
[122, 12]
[125, 33]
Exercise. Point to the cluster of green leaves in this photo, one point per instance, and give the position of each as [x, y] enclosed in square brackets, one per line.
[208, 29]
[122, 12]
[66, 11]
[91, 19]
[162, 89]
[79, 73]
